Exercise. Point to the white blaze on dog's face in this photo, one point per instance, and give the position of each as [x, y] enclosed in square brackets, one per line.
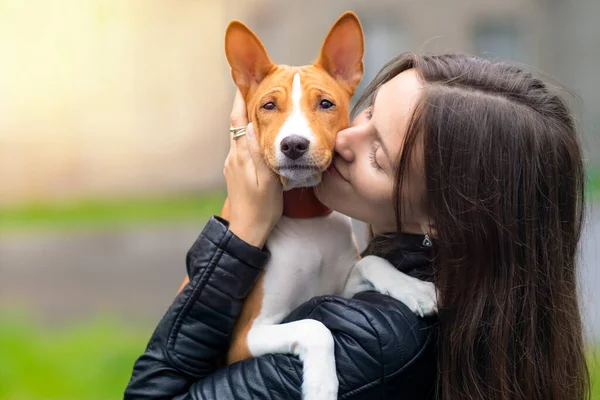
[297, 111]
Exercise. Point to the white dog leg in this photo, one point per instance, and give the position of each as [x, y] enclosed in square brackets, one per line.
[376, 273]
[312, 342]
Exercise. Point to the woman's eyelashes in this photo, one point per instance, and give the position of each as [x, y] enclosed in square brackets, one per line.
[373, 154]
[375, 146]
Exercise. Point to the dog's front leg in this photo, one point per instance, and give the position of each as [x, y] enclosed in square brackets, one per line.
[376, 273]
[312, 342]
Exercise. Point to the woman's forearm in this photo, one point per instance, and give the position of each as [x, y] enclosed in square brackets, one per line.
[195, 332]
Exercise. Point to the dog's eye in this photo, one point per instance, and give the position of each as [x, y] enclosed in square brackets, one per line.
[270, 106]
[325, 105]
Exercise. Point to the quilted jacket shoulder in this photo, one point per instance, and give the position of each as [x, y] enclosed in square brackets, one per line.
[382, 349]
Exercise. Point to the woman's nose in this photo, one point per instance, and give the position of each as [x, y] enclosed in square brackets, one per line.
[343, 145]
[352, 140]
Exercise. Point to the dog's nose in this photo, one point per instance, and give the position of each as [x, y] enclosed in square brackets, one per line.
[294, 146]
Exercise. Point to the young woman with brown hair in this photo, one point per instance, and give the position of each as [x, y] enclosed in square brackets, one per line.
[470, 174]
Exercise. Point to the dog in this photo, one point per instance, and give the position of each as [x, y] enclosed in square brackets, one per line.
[296, 113]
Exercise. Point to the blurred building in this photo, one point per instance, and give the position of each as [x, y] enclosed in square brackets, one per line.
[120, 97]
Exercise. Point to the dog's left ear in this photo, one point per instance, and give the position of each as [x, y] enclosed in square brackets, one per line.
[247, 56]
[343, 50]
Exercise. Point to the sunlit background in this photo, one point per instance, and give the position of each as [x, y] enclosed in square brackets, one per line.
[113, 131]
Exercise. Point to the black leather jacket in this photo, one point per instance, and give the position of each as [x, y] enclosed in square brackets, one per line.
[383, 350]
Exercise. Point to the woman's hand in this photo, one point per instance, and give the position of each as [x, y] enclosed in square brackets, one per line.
[254, 191]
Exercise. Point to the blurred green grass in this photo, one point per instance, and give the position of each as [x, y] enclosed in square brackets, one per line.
[86, 361]
[91, 361]
[111, 212]
[593, 360]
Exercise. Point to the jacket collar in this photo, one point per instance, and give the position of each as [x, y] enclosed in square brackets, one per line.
[408, 254]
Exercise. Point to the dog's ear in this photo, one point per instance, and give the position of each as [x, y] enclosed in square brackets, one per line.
[247, 56]
[343, 50]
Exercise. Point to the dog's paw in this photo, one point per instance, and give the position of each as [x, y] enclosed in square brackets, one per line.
[320, 378]
[320, 381]
[322, 388]
[419, 296]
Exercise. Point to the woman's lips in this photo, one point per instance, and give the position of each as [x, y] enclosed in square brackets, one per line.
[332, 170]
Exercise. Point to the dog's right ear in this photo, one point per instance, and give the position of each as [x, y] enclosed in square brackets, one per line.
[343, 50]
[247, 57]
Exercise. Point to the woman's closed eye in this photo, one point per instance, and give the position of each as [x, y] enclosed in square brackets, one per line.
[373, 154]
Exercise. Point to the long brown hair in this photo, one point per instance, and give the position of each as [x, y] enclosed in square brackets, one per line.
[505, 191]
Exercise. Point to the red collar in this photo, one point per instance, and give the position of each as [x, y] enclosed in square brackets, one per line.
[302, 203]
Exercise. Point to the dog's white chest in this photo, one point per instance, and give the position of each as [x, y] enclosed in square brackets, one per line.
[309, 257]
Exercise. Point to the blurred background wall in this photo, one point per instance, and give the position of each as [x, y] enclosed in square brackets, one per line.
[106, 97]
[113, 131]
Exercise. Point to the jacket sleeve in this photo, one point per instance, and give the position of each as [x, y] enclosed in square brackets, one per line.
[195, 332]
[382, 350]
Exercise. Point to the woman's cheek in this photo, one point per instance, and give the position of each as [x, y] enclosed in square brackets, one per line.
[382, 190]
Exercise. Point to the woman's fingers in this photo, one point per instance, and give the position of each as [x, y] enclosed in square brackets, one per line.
[253, 148]
[245, 149]
[239, 114]
[254, 194]
[251, 145]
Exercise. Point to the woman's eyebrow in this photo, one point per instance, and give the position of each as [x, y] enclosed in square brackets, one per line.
[377, 134]
[373, 102]
[383, 146]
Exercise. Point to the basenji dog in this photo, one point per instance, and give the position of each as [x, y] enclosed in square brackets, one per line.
[296, 113]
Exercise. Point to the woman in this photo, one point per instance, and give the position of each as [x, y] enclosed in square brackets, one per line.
[479, 156]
